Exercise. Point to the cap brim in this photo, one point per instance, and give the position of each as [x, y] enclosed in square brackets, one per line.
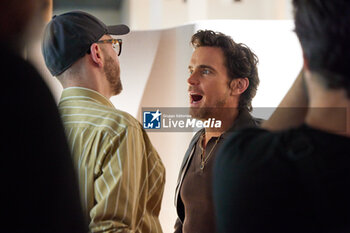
[120, 29]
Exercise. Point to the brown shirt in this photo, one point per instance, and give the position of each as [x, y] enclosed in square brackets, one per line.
[193, 201]
[196, 191]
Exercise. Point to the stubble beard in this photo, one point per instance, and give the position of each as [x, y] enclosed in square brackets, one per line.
[112, 72]
[204, 113]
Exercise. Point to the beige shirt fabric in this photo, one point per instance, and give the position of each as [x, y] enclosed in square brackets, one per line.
[121, 175]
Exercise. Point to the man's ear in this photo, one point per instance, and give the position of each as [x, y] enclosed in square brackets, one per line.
[96, 55]
[239, 85]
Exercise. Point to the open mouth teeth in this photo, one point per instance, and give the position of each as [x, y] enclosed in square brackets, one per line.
[196, 98]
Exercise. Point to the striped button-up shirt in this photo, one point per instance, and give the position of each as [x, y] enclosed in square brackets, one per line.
[121, 176]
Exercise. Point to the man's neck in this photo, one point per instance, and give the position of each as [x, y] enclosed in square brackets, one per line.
[227, 120]
[330, 111]
[87, 82]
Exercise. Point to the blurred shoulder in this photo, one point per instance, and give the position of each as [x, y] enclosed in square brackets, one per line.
[251, 147]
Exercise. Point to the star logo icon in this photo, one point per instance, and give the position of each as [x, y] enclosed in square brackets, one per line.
[152, 119]
[156, 115]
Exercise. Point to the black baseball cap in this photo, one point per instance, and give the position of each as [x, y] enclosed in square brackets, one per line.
[68, 37]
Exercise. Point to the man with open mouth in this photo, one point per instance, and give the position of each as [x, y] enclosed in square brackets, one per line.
[223, 79]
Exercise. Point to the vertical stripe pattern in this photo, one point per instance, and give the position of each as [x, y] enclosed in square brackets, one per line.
[121, 176]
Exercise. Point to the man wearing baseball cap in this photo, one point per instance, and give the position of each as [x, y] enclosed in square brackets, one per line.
[121, 176]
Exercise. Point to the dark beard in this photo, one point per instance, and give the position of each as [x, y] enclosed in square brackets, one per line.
[203, 113]
[112, 72]
[200, 113]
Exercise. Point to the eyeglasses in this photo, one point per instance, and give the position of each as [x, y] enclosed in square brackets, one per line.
[116, 44]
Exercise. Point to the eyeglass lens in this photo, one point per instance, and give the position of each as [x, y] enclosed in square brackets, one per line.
[116, 47]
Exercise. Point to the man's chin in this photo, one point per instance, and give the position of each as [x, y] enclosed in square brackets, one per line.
[199, 113]
[118, 89]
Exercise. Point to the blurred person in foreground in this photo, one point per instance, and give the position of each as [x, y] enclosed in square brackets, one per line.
[223, 80]
[121, 175]
[39, 187]
[294, 174]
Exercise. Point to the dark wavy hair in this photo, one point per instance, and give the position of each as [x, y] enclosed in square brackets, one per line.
[240, 61]
[323, 29]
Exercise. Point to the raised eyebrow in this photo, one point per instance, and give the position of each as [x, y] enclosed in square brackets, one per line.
[206, 67]
[202, 67]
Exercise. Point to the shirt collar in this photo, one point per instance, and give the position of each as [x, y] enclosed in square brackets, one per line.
[244, 119]
[81, 93]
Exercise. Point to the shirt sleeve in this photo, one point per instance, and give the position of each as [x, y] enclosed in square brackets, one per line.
[123, 190]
